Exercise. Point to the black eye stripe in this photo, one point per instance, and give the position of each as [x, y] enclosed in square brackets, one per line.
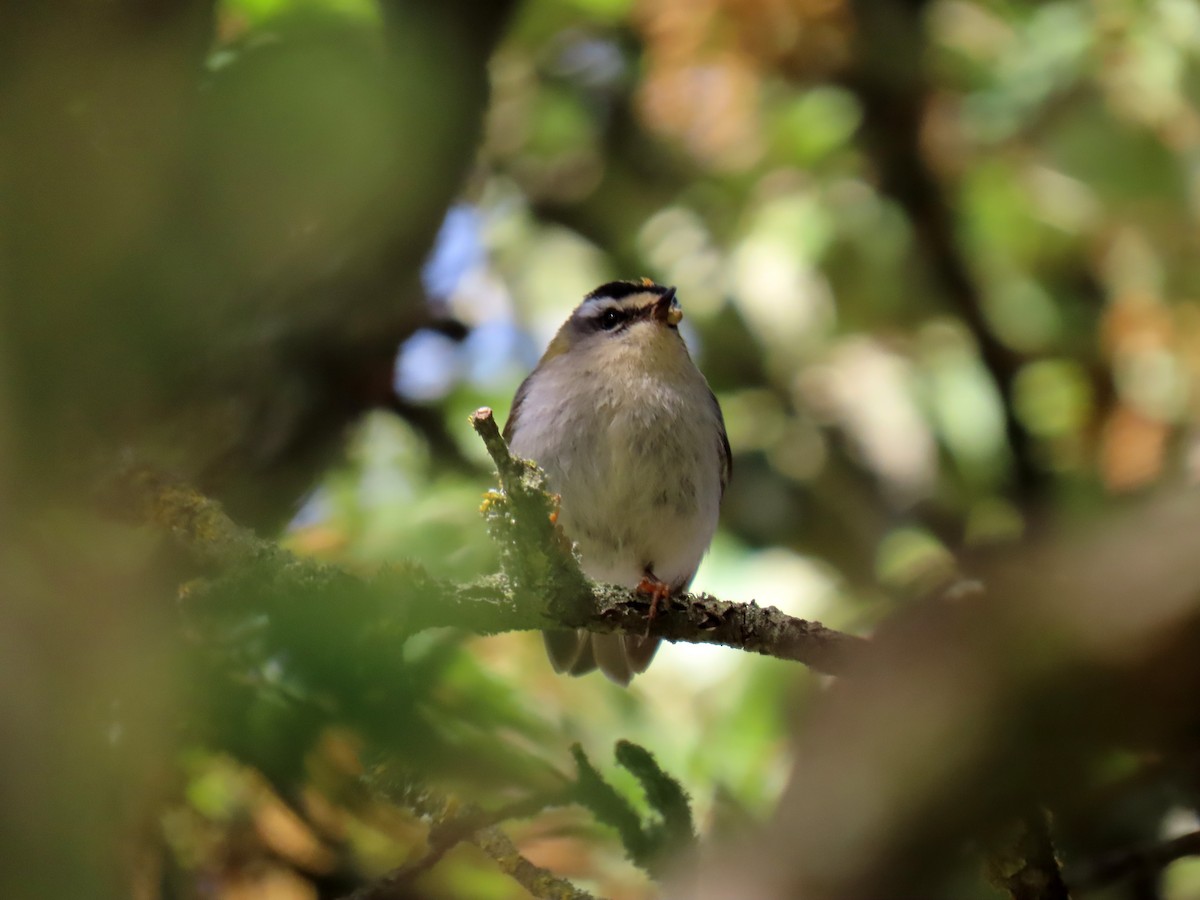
[615, 319]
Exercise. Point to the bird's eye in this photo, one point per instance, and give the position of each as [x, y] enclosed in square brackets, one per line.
[610, 319]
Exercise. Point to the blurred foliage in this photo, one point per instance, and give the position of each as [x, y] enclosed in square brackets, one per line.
[282, 248]
[651, 845]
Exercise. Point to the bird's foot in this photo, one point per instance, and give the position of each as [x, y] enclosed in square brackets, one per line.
[658, 591]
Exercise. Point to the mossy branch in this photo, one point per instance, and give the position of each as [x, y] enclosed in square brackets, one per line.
[541, 585]
[674, 831]
[452, 823]
[649, 843]
[326, 613]
[609, 807]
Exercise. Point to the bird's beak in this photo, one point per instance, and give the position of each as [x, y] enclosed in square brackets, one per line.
[667, 310]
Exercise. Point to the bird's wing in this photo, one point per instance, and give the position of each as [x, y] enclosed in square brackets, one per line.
[724, 453]
[515, 412]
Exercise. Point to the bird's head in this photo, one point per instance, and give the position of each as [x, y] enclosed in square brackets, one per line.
[620, 319]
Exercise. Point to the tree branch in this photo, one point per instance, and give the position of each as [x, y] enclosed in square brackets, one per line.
[1138, 860]
[542, 884]
[541, 585]
[453, 823]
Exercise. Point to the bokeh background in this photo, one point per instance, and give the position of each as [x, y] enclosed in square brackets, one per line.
[938, 261]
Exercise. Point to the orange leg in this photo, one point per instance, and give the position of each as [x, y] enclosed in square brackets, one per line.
[657, 590]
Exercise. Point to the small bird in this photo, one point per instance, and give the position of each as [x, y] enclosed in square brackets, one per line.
[632, 439]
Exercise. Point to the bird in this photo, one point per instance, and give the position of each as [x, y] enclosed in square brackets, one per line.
[633, 442]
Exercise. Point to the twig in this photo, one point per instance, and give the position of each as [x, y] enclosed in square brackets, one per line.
[451, 830]
[496, 844]
[484, 423]
[1139, 860]
[453, 824]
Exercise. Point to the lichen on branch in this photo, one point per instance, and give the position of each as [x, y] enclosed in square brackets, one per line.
[540, 585]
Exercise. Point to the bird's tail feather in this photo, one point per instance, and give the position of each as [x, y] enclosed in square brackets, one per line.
[619, 656]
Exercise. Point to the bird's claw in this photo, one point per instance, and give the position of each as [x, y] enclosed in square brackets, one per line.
[657, 591]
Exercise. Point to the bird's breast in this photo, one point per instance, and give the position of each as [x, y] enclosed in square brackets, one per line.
[635, 462]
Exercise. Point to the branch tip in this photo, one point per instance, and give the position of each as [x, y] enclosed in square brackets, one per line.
[484, 423]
